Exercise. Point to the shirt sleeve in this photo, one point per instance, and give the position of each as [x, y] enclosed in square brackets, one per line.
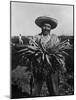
[54, 40]
[34, 39]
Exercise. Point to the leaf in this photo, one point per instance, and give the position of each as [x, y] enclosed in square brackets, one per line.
[47, 59]
[43, 56]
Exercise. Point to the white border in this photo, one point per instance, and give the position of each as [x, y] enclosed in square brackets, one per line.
[5, 48]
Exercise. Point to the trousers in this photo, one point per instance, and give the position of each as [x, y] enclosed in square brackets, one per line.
[51, 83]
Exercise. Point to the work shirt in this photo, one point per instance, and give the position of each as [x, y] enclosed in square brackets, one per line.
[47, 41]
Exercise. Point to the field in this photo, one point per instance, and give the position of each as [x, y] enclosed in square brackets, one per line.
[18, 67]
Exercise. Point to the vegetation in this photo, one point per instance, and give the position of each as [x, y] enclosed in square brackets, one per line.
[34, 59]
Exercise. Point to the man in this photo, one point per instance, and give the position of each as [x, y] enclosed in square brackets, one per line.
[20, 39]
[47, 40]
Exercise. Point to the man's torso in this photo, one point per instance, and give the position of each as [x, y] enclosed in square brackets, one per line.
[49, 41]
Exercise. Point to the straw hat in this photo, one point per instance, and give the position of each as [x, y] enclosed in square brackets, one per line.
[40, 21]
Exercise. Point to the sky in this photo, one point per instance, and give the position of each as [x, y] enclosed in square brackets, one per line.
[23, 17]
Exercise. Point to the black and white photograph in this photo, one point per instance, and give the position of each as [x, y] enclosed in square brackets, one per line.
[42, 49]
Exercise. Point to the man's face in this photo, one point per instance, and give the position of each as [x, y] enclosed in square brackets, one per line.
[46, 28]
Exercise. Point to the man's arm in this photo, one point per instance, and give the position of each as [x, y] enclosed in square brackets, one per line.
[35, 38]
[54, 40]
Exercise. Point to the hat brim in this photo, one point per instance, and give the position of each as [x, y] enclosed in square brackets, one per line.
[40, 21]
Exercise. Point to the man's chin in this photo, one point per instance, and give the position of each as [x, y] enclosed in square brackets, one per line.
[46, 33]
